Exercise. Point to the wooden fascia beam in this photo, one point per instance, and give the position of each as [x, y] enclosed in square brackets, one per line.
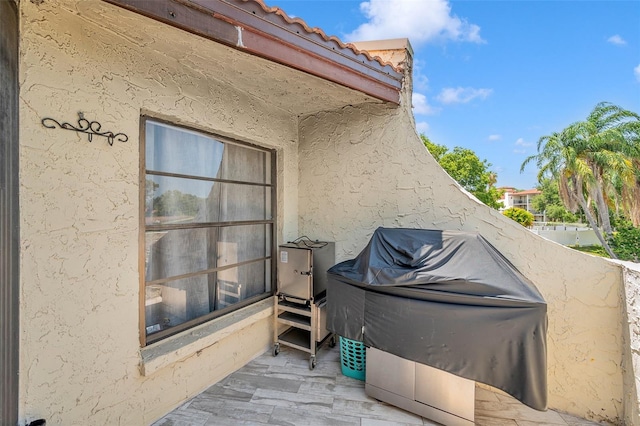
[250, 32]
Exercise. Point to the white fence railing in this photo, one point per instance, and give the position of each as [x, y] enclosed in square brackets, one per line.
[568, 236]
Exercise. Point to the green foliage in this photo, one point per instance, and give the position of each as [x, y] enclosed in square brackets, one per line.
[521, 216]
[596, 164]
[595, 250]
[557, 213]
[626, 241]
[436, 150]
[463, 165]
[549, 202]
[549, 196]
[177, 203]
[150, 187]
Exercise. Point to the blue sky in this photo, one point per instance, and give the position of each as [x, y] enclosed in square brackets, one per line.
[495, 76]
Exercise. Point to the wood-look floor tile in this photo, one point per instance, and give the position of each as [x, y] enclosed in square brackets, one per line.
[184, 417]
[337, 391]
[577, 421]
[493, 421]
[300, 416]
[516, 410]
[282, 390]
[231, 409]
[375, 410]
[293, 400]
[378, 422]
[483, 394]
[302, 374]
[250, 382]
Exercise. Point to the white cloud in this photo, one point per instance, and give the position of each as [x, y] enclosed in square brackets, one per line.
[494, 137]
[420, 80]
[421, 105]
[520, 151]
[616, 39]
[636, 71]
[462, 95]
[420, 21]
[422, 127]
[522, 142]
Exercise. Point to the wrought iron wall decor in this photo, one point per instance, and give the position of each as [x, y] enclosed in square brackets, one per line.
[85, 126]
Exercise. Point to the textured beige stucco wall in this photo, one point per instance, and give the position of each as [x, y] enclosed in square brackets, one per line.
[365, 167]
[361, 167]
[80, 351]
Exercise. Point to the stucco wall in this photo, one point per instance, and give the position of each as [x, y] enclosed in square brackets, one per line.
[360, 167]
[365, 167]
[79, 350]
[631, 362]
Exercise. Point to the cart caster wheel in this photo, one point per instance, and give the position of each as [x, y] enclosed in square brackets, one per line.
[276, 349]
[312, 362]
[332, 341]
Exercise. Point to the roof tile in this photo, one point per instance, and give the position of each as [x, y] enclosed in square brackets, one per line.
[276, 11]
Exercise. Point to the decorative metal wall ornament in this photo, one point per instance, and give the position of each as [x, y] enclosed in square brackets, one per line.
[85, 126]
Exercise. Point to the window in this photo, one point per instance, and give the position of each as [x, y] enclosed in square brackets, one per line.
[208, 227]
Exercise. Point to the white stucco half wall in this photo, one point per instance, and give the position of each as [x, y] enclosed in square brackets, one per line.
[365, 166]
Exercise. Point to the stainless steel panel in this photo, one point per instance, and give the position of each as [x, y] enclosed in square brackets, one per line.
[320, 321]
[416, 407]
[391, 373]
[302, 268]
[445, 391]
[324, 257]
[294, 272]
[427, 391]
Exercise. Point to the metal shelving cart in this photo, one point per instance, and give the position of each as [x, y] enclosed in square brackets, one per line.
[300, 303]
[306, 329]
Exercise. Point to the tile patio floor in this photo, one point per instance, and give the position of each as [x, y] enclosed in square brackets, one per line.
[283, 391]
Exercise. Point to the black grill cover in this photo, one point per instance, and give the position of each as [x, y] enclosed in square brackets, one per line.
[447, 299]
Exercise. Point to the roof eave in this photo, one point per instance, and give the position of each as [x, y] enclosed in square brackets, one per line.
[248, 27]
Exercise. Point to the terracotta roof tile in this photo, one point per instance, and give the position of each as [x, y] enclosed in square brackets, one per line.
[277, 11]
[528, 192]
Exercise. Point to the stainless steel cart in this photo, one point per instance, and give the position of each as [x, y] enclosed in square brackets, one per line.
[300, 302]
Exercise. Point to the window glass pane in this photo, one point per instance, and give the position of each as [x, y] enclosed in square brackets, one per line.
[177, 200]
[179, 151]
[243, 243]
[245, 164]
[170, 304]
[173, 303]
[236, 202]
[174, 150]
[242, 282]
[184, 251]
[177, 252]
[202, 182]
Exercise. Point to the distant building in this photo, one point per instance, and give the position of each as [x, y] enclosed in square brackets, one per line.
[511, 197]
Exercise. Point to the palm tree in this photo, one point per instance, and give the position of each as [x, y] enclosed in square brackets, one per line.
[609, 136]
[561, 156]
[596, 161]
